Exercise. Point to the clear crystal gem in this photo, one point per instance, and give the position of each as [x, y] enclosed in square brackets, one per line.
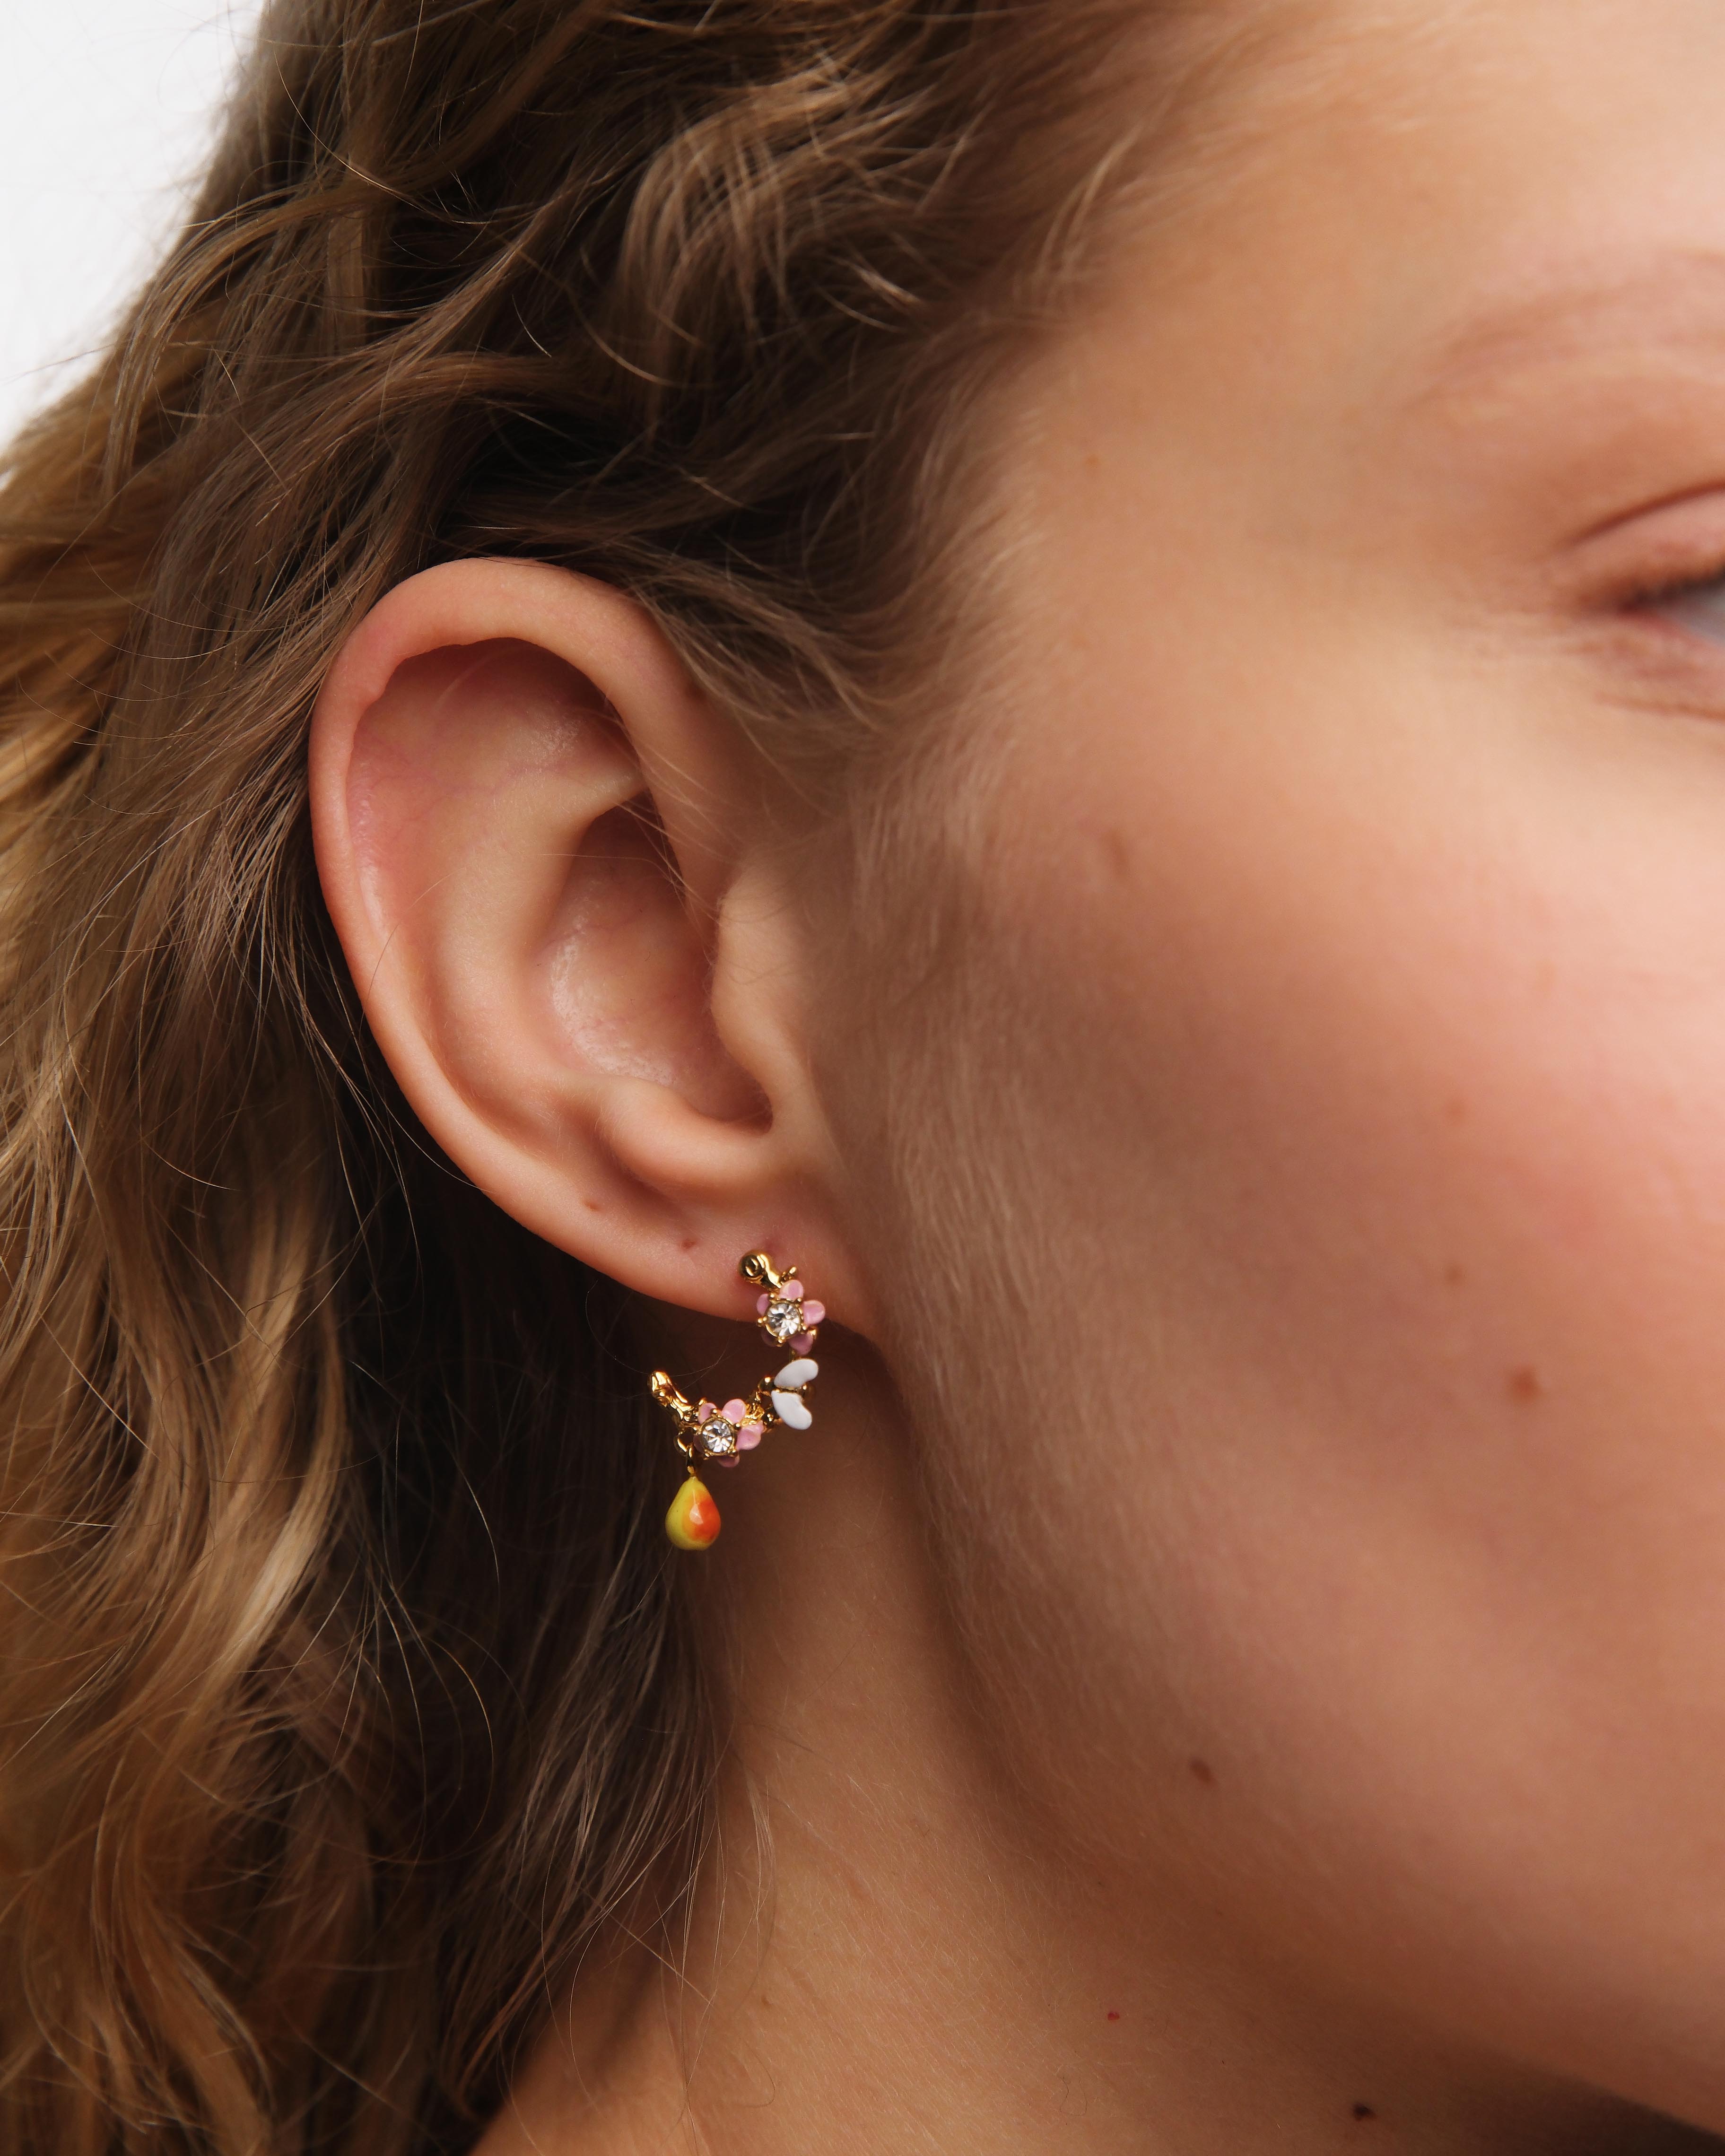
[718, 1438]
[783, 1319]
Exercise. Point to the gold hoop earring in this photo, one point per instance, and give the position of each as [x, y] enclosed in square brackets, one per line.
[720, 1435]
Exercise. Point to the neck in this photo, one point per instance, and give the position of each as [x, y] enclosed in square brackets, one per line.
[890, 1950]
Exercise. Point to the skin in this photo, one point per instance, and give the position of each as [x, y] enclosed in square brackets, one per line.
[1272, 1695]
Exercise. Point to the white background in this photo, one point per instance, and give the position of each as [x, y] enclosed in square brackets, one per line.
[107, 111]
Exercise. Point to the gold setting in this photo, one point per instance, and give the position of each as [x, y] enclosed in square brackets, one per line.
[709, 1433]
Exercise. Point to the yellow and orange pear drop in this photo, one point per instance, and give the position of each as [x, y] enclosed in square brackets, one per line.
[693, 1521]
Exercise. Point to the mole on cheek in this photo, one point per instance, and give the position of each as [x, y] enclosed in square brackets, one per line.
[1202, 1771]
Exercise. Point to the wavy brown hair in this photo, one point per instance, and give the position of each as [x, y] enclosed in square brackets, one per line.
[347, 1698]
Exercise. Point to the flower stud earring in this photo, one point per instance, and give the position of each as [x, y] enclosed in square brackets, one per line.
[790, 1318]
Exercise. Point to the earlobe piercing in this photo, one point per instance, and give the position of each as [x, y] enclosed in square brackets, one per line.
[789, 1318]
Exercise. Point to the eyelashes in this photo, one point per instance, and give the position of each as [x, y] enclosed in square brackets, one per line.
[1662, 571]
[1648, 602]
[1668, 594]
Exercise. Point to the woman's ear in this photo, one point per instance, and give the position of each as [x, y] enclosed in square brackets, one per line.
[548, 864]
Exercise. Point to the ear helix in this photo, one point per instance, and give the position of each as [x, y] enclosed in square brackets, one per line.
[721, 1435]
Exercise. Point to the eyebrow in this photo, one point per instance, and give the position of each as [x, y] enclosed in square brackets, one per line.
[1676, 300]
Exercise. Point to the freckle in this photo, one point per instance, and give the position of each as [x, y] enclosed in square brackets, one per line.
[1118, 848]
[1455, 1109]
[1112, 2014]
[1364, 2111]
[593, 1205]
[1093, 463]
[1455, 1275]
[690, 1242]
[1202, 1771]
[1524, 1387]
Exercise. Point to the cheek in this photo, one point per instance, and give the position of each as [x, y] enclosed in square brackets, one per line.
[1320, 1266]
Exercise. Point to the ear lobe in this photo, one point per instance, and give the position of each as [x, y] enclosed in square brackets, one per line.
[532, 839]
